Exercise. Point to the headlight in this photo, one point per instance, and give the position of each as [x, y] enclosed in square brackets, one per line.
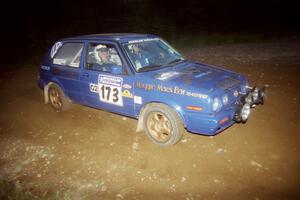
[225, 99]
[245, 112]
[216, 104]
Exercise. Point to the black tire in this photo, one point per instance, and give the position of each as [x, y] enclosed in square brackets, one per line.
[162, 124]
[57, 98]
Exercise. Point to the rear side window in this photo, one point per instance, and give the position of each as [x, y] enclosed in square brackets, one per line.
[69, 54]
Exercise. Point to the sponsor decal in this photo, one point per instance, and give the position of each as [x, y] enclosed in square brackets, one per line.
[167, 89]
[145, 86]
[94, 88]
[59, 61]
[44, 67]
[110, 89]
[55, 48]
[127, 86]
[127, 93]
[142, 40]
[197, 95]
[137, 99]
[111, 80]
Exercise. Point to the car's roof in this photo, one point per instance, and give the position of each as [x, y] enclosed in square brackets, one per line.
[120, 37]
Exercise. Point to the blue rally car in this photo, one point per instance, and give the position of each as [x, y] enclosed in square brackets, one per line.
[143, 77]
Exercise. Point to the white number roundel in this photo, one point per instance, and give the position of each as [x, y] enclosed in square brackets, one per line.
[55, 48]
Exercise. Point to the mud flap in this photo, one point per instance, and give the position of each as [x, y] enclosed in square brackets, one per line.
[140, 126]
[46, 97]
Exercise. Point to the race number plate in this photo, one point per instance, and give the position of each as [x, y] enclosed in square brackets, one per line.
[110, 89]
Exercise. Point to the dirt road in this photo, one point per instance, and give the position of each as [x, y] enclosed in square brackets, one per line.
[86, 153]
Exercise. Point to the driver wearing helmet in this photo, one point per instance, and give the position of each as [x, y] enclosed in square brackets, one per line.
[103, 58]
[102, 54]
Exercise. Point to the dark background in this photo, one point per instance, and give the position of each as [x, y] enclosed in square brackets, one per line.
[29, 28]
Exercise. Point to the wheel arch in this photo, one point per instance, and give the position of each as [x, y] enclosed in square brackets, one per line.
[46, 90]
[140, 126]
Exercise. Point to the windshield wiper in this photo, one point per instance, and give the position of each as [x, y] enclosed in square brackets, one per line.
[149, 68]
[154, 67]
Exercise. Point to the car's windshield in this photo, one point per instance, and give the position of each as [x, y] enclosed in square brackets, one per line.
[151, 54]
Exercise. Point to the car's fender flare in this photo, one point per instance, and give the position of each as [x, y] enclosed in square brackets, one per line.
[140, 126]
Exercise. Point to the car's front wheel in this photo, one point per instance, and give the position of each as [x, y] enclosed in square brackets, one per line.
[162, 124]
[57, 98]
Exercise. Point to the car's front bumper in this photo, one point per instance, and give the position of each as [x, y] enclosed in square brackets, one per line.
[211, 124]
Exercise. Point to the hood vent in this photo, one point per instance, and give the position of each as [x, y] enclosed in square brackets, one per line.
[191, 70]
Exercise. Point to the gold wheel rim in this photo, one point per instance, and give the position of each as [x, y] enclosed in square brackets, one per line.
[159, 126]
[55, 98]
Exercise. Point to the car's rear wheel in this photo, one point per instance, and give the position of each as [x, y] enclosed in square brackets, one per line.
[162, 124]
[57, 98]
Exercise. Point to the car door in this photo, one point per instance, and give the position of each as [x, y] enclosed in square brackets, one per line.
[66, 68]
[106, 86]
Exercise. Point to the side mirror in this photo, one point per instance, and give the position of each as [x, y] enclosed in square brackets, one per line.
[116, 69]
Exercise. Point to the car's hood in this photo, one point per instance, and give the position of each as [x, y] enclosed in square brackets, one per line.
[200, 76]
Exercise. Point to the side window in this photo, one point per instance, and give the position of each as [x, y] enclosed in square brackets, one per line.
[103, 57]
[69, 54]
